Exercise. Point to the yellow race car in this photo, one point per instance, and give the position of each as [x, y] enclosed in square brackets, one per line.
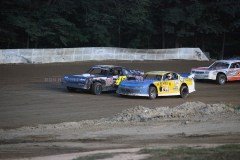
[158, 83]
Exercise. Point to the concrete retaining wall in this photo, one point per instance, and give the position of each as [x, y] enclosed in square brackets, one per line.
[97, 53]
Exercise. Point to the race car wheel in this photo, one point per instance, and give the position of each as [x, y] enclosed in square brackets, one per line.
[152, 92]
[184, 91]
[221, 79]
[97, 88]
[71, 89]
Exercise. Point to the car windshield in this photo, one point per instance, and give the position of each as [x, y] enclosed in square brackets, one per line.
[98, 71]
[152, 77]
[219, 65]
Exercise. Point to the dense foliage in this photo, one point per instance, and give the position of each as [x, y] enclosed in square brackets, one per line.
[211, 25]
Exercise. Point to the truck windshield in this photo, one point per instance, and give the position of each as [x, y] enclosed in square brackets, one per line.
[219, 65]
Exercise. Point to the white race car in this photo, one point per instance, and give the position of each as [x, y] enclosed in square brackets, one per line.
[220, 71]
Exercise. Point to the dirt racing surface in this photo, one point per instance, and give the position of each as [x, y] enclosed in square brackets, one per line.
[56, 124]
[31, 93]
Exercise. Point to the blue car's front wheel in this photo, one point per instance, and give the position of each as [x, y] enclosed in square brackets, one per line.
[152, 92]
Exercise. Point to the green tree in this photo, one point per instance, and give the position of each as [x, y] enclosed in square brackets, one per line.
[211, 25]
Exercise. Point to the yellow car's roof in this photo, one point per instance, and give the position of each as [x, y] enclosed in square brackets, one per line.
[158, 72]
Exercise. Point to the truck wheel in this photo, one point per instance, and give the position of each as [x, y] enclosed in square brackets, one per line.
[97, 88]
[184, 91]
[152, 92]
[221, 79]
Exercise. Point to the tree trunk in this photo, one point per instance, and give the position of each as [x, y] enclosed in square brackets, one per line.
[119, 36]
[176, 43]
[223, 46]
[203, 43]
[28, 41]
[163, 35]
[51, 2]
[195, 41]
[86, 16]
[36, 44]
[8, 44]
[148, 39]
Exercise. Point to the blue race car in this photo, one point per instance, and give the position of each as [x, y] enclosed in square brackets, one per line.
[158, 83]
[100, 78]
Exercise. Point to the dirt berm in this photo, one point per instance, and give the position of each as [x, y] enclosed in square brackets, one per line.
[191, 123]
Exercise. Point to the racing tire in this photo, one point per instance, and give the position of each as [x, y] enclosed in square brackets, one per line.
[71, 89]
[184, 92]
[152, 92]
[221, 79]
[96, 88]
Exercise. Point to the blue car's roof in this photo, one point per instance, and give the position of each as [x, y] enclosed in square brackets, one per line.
[106, 66]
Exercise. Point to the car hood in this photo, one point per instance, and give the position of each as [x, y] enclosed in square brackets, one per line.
[200, 69]
[206, 69]
[136, 83]
[80, 78]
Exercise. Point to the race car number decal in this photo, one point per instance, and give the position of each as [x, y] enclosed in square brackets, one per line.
[120, 79]
[109, 81]
[165, 88]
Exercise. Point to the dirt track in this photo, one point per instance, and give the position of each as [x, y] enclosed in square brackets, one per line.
[28, 97]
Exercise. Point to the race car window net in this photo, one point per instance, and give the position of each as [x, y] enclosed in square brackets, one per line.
[125, 72]
[235, 65]
[98, 71]
[174, 76]
[116, 72]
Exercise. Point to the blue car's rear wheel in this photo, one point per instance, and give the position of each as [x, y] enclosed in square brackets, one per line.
[97, 88]
[152, 93]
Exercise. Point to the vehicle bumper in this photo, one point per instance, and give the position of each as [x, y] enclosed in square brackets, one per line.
[204, 76]
[132, 92]
[191, 88]
[75, 85]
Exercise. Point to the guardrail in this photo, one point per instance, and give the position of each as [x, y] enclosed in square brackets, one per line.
[97, 53]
